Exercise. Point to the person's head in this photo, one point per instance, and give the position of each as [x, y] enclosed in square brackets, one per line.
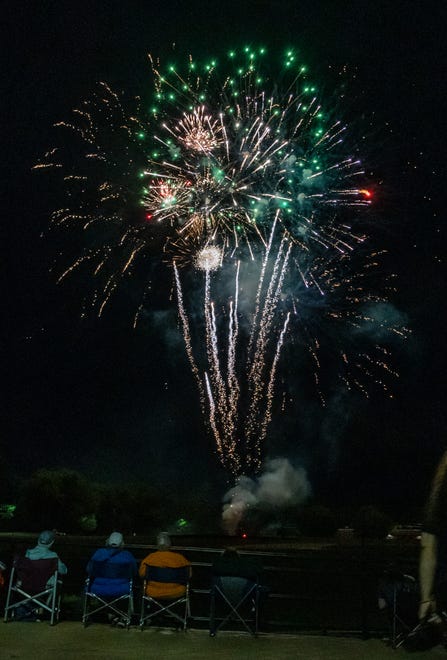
[46, 538]
[115, 540]
[163, 541]
[230, 553]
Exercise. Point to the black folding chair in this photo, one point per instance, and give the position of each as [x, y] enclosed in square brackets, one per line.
[33, 589]
[238, 599]
[399, 595]
[113, 592]
[176, 608]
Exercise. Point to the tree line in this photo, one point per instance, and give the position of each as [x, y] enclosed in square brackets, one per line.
[69, 502]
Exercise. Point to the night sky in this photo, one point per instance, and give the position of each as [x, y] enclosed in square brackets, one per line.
[116, 403]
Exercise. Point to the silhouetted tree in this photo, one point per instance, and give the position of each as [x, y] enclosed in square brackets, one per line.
[370, 522]
[317, 520]
[133, 507]
[56, 498]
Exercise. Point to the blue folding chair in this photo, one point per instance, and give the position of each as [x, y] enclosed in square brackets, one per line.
[175, 608]
[109, 589]
[34, 589]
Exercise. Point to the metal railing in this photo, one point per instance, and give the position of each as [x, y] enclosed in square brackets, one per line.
[331, 589]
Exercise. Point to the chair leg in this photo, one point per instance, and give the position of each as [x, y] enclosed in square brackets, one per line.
[53, 603]
[8, 598]
[129, 613]
[141, 624]
[256, 612]
[84, 612]
[213, 615]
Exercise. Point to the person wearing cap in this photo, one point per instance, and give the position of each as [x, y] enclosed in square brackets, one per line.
[164, 557]
[43, 551]
[114, 553]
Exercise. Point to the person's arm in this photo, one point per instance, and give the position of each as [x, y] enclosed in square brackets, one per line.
[142, 569]
[427, 569]
[134, 564]
[93, 558]
[61, 567]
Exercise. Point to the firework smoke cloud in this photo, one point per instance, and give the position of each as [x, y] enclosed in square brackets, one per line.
[278, 486]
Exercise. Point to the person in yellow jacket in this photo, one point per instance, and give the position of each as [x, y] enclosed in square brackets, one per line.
[164, 557]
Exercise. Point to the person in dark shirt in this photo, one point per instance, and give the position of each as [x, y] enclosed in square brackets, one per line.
[231, 563]
[229, 568]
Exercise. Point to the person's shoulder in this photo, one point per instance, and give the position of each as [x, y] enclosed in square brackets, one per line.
[181, 558]
[153, 554]
[127, 555]
[33, 550]
[148, 557]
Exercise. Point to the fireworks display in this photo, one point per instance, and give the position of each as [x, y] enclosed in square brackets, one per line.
[237, 173]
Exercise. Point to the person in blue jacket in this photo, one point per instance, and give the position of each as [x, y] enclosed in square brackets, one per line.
[113, 553]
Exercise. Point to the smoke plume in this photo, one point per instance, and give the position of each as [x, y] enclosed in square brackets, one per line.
[278, 486]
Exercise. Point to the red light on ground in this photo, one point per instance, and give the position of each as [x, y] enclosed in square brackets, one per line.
[244, 536]
[367, 193]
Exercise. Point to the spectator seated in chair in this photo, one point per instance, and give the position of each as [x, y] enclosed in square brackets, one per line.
[164, 557]
[231, 563]
[109, 586]
[43, 551]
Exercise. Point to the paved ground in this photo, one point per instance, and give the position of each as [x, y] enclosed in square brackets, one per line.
[39, 641]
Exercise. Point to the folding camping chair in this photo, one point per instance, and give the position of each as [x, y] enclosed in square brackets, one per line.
[398, 594]
[113, 596]
[238, 598]
[33, 588]
[176, 608]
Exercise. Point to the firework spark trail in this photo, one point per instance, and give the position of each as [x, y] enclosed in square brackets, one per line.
[258, 409]
[187, 335]
[221, 449]
[261, 283]
[233, 383]
[224, 422]
[263, 326]
[270, 394]
[212, 346]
